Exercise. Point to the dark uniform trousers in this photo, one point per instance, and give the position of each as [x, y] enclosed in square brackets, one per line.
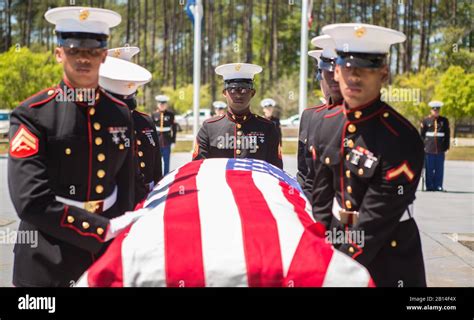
[232, 136]
[147, 151]
[369, 160]
[435, 133]
[166, 127]
[67, 152]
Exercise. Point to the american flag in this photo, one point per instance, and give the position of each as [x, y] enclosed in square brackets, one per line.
[225, 222]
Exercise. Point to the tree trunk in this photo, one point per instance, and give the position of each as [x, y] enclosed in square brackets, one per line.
[210, 49]
[374, 17]
[165, 41]
[263, 50]
[9, 24]
[153, 37]
[29, 23]
[349, 9]
[422, 34]
[405, 31]
[454, 11]
[145, 34]
[173, 47]
[129, 19]
[428, 36]
[138, 23]
[274, 43]
[248, 33]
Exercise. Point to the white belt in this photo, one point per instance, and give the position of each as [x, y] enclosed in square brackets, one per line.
[408, 214]
[435, 134]
[92, 206]
[165, 129]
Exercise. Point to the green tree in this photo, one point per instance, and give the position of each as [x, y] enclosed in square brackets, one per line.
[456, 90]
[23, 73]
[181, 99]
[453, 52]
[420, 85]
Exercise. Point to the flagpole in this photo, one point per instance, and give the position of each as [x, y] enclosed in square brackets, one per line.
[197, 65]
[303, 57]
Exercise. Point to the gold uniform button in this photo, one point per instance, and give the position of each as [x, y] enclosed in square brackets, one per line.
[98, 141]
[99, 189]
[121, 146]
[100, 157]
[97, 126]
[327, 160]
[239, 142]
[100, 231]
[68, 151]
[239, 125]
[140, 153]
[348, 173]
[85, 225]
[350, 143]
[358, 114]
[91, 111]
[386, 114]
[139, 142]
[360, 172]
[348, 204]
[70, 219]
[238, 151]
[142, 164]
[351, 128]
[349, 189]
[101, 173]
[393, 243]
[239, 133]
[351, 250]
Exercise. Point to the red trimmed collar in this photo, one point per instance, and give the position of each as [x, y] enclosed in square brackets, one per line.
[64, 84]
[364, 111]
[239, 118]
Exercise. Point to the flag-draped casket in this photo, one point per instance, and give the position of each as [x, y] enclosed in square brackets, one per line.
[225, 222]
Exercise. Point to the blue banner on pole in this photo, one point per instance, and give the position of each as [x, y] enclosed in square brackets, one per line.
[189, 9]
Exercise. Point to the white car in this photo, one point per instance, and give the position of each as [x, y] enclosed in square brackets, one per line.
[4, 123]
[185, 121]
[293, 121]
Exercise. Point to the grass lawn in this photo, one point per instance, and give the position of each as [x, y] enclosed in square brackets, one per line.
[461, 153]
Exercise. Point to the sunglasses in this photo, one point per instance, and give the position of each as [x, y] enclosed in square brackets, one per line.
[92, 52]
[238, 90]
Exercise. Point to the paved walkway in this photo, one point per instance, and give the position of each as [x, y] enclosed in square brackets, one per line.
[444, 219]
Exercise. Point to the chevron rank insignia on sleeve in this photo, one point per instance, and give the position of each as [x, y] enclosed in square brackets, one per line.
[24, 144]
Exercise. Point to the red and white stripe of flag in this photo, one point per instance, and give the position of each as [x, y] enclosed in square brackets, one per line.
[209, 226]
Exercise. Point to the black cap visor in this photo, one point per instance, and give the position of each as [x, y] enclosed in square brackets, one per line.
[360, 60]
[239, 83]
[327, 64]
[82, 40]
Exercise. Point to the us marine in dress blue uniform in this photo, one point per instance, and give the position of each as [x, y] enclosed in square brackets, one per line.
[70, 181]
[369, 161]
[239, 133]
